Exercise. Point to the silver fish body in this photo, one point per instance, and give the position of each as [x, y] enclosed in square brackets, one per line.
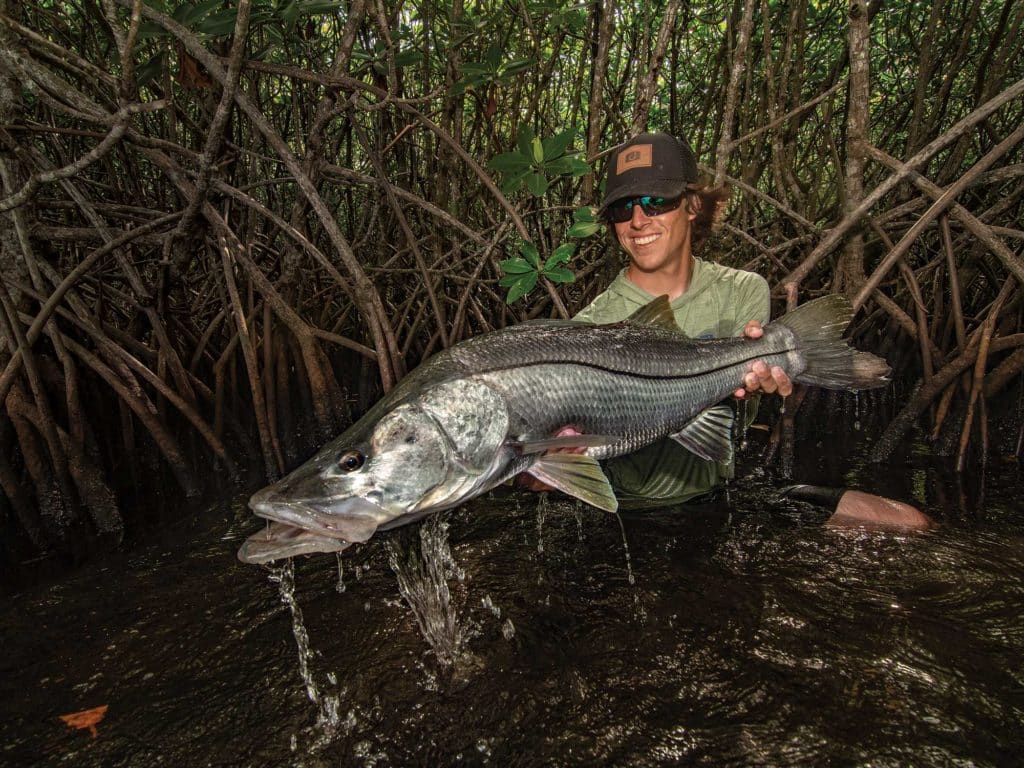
[484, 410]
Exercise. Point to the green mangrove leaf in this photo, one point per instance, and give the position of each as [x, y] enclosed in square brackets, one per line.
[524, 140]
[583, 229]
[313, 7]
[586, 213]
[555, 146]
[559, 167]
[559, 275]
[493, 57]
[578, 167]
[531, 254]
[516, 66]
[514, 181]
[290, 13]
[187, 14]
[408, 58]
[218, 24]
[537, 183]
[521, 287]
[560, 255]
[537, 149]
[508, 162]
[516, 266]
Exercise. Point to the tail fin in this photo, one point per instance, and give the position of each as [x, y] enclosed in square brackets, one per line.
[831, 362]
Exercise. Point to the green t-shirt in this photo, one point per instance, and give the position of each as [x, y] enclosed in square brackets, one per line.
[718, 304]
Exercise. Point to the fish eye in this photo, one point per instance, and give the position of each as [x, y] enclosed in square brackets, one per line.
[350, 461]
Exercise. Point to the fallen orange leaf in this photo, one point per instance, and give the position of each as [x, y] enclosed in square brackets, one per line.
[87, 718]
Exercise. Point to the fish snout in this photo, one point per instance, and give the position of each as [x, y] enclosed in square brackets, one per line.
[353, 519]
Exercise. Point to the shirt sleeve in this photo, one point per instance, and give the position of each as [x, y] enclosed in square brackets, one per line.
[753, 302]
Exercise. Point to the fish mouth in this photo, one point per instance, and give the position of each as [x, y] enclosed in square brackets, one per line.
[298, 528]
[280, 540]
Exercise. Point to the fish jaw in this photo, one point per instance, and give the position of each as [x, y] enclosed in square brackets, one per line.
[321, 524]
[280, 540]
[353, 519]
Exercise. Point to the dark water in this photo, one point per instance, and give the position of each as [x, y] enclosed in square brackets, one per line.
[741, 633]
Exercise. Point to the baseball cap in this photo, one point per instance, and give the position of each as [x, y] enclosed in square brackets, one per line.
[649, 164]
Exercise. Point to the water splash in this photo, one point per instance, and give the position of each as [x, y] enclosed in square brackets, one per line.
[577, 510]
[741, 422]
[423, 572]
[340, 586]
[542, 510]
[625, 547]
[328, 719]
[488, 603]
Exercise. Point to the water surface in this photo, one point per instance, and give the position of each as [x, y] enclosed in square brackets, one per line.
[740, 633]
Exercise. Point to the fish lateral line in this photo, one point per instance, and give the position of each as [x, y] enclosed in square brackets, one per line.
[639, 374]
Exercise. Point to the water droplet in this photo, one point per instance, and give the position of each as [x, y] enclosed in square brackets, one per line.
[340, 586]
[490, 606]
[542, 508]
[625, 547]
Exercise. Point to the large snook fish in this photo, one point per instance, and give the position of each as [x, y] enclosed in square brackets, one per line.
[484, 410]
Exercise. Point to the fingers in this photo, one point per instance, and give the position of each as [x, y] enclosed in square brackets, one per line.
[761, 378]
[566, 432]
[782, 381]
[753, 330]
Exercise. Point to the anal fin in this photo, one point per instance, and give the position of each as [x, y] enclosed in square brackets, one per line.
[709, 435]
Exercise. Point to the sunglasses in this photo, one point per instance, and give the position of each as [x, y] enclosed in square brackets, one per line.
[622, 210]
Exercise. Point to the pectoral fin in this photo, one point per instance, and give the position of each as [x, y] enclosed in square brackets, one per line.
[710, 434]
[565, 441]
[576, 475]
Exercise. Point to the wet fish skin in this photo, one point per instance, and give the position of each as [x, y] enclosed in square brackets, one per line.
[482, 411]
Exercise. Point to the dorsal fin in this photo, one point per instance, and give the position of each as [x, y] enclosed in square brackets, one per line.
[657, 313]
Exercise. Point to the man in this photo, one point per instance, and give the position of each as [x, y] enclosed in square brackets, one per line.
[661, 215]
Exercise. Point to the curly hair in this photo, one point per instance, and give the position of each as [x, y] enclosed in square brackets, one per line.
[709, 205]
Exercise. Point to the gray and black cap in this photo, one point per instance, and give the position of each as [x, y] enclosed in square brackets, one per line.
[649, 164]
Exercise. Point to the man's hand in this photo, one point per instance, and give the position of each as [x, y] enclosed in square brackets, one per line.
[761, 378]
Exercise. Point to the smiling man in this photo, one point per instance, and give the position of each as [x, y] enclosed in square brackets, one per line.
[661, 216]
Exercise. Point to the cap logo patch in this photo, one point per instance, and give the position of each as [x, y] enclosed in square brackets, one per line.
[637, 156]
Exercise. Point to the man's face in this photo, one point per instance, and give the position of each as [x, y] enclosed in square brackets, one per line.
[656, 243]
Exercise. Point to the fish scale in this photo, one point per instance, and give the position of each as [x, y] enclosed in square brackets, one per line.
[637, 409]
